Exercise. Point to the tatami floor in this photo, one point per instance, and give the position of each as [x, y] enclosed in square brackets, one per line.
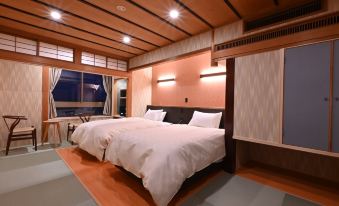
[103, 183]
[29, 148]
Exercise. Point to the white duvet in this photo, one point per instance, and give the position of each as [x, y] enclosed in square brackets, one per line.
[95, 136]
[165, 156]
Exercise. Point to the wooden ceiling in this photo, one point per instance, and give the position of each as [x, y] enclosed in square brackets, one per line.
[100, 26]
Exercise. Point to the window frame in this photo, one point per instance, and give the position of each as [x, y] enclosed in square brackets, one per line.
[81, 103]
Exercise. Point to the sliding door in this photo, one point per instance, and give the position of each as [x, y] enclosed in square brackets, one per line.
[306, 96]
[335, 124]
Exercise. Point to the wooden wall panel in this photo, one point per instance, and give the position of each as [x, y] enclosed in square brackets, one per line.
[189, 45]
[258, 96]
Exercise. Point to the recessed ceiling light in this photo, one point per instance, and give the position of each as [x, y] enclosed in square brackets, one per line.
[174, 14]
[126, 39]
[121, 8]
[55, 15]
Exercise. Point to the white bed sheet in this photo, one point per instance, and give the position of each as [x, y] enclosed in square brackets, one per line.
[95, 136]
[164, 157]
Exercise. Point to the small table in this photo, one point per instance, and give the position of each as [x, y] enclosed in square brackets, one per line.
[56, 124]
[118, 116]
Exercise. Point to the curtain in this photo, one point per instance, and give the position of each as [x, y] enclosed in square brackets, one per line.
[108, 82]
[54, 76]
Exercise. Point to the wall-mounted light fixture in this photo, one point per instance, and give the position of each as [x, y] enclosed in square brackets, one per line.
[212, 74]
[166, 80]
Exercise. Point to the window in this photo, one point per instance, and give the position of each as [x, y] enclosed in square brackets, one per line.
[27, 46]
[116, 64]
[93, 59]
[78, 92]
[17, 44]
[55, 52]
[102, 61]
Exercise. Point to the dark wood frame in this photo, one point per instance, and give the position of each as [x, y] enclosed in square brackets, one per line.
[230, 160]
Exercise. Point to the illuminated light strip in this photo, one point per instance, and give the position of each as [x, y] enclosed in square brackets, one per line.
[212, 74]
[165, 80]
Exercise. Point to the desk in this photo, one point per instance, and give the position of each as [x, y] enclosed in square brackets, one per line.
[56, 125]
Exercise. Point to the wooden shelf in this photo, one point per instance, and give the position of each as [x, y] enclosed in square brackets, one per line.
[314, 151]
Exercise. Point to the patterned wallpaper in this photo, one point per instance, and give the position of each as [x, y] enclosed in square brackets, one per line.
[195, 43]
[20, 94]
[228, 32]
[258, 93]
[141, 91]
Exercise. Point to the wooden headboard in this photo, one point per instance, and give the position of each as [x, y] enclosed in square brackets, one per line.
[182, 115]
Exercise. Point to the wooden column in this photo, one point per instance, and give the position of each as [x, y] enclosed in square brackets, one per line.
[230, 160]
[45, 94]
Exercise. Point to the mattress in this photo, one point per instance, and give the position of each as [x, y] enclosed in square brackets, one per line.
[94, 137]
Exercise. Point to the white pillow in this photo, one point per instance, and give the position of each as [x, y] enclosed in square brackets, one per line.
[154, 115]
[208, 120]
[162, 117]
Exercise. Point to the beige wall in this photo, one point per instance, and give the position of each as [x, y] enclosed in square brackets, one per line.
[258, 96]
[20, 94]
[141, 91]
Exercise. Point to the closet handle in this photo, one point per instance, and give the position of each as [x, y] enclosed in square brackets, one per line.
[336, 99]
[325, 99]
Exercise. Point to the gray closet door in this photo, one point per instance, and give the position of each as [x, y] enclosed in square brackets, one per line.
[306, 94]
[335, 124]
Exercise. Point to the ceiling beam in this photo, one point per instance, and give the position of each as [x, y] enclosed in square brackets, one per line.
[159, 17]
[124, 19]
[194, 14]
[234, 10]
[276, 2]
[89, 20]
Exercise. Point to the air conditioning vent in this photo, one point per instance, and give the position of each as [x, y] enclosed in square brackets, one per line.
[320, 22]
[300, 11]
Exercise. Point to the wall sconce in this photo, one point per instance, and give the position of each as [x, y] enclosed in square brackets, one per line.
[213, 74]
[166, 80]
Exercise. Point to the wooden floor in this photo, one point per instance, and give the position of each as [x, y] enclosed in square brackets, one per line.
[316, 190]
[111, 185]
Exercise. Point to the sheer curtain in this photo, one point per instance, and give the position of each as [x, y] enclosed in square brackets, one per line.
[54, 76]
[108, 82]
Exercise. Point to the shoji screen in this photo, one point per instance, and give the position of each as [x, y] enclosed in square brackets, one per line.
[306, 96]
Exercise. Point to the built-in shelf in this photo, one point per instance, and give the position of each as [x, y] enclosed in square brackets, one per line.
[314, 151]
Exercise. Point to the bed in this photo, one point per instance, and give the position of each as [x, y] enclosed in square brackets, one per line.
[94, 137]
[164, 157]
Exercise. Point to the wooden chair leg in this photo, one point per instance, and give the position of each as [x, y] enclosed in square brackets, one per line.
[59, 132]
[9, 139]
[35, 140]
[68, 130]
[44, 137]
